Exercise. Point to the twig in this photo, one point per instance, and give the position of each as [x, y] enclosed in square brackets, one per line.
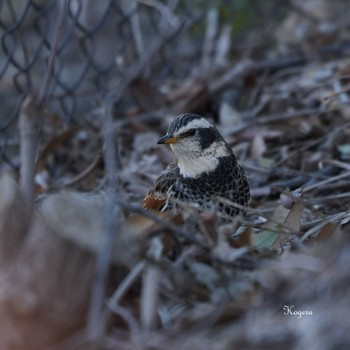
[45, 88]
[168, 32]
[313, 143]
[263, 120]
[303, 12]
[341, 185]
[130, 320]
[149, 297]
[297, 181]
[326, 199]
[321, 183]
[341, 218]
[114, 302]
[166, 224]
[190, 237]
[237, 72]
[166, 11]
[55, 143]
[125, 285]
[340, 92]
[85, 173]
[337, 163]
[319, 174]
[29, 126]
[209, 40]
[97, 316]
[249, 67]
[223, 45]
[134, 15]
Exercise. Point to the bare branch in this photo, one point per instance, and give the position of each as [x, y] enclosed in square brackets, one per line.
[97, 316]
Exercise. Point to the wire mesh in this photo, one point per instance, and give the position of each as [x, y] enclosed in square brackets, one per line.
[73, 53]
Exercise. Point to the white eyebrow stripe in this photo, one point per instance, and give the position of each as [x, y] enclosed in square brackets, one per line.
[195, 124]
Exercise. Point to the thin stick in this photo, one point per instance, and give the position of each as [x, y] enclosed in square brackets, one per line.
[166, 224]
[337, 163]
[97, 316]
[61, 18]
[130, 8]
[209, 39]
[150, 297]
[263, 120]
[125, 285]
[85, 173]
[29, 126]
[324, 182]
[130, 320]
[325, 199]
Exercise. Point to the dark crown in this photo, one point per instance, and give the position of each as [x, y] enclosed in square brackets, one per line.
[182, 120]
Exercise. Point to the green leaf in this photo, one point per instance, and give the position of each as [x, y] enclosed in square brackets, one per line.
[265, 240]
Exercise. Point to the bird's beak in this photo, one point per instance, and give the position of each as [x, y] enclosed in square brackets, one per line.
[168, 139]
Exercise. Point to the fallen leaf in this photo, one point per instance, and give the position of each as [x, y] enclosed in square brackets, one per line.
[284, 221]
[265, 240]
[288, 212]
[258, 147]
[329, 230]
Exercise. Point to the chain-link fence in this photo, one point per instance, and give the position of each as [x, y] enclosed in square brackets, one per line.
[73, 54]
[68, 51]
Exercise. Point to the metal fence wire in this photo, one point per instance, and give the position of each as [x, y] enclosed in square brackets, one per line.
[72, 52]
[66, 51]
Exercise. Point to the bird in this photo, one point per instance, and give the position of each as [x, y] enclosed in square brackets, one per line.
[204, 171]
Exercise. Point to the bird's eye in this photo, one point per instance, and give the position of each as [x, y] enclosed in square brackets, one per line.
[190, 132]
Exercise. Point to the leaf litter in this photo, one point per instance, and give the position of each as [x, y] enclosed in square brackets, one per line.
[217, 287]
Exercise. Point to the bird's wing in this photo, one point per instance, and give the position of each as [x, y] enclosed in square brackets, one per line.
[157, 196]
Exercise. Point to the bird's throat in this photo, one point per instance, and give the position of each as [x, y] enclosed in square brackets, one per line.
[195, 167]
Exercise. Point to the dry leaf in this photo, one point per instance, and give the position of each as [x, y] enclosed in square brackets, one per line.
[287, 214]
[245, 239]
[329, 230]
[285, 220]
[258, 147]
[77, 217]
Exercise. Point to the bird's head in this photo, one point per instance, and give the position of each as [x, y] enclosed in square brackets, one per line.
[196, 143]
